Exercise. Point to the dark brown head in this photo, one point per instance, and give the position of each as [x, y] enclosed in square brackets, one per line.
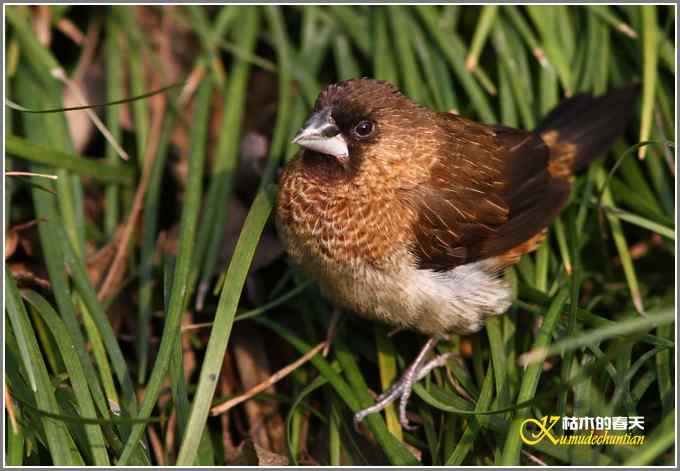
[360, 122]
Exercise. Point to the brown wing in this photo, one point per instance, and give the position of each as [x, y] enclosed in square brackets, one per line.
[489, 191]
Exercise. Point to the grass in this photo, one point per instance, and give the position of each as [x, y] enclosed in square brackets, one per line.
[127, 317]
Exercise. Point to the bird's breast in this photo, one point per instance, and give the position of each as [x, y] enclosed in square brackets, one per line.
[340, 226]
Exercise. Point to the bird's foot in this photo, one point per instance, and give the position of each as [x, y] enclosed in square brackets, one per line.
[403, 387]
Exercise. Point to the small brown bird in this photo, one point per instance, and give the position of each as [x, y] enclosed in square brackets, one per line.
[409, 216]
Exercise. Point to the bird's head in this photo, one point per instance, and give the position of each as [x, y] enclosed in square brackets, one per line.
[358, 122]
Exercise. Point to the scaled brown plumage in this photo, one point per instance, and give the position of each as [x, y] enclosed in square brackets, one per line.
[452, 190]
[408, 216]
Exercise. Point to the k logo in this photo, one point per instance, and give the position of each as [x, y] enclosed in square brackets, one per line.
[543, 430]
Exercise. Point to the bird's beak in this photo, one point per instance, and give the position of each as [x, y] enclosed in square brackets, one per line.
[321, 134]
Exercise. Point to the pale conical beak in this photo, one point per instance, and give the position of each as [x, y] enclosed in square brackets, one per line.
[321, 134]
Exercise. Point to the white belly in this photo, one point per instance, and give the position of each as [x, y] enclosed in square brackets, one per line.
[457, 301]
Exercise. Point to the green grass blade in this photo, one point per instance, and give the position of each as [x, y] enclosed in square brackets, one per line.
[149, 234]
[530, 378]
[219, 191]
[114, 90]
[41, 154]
[664, 369]
[76, 374]
[650, 72]
[619, 329]
[472, 431]
[511, 54]
[453, 50]
[487, 17]
[395, 451]
[46, 210]
[387, 363]
[95, 308]
[498, 356]
[662, 438]
[620, 241]
[314, 385]
[383, 61]
[140, 108]
[184, 259]
[605, 13]
[355, 25]
[334, 439]
[58, 436]
[224, 318]
[410, 72]
[16, 442]
[520, 24]
[640, 221]
[14, 312]
[39, 57]
[346, 63]
[240, 262]
[439, 83]
[545, 20]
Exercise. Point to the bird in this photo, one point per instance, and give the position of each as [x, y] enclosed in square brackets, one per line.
[409, 216]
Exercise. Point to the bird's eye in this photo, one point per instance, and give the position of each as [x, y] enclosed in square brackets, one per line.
[364, 129]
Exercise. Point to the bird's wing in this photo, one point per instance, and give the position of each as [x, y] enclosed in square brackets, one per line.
[489, 191]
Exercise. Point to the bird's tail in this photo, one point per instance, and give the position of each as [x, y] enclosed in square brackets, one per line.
[583, 127]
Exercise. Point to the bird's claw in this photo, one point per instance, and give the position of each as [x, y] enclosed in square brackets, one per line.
[403, 387]
[381, 402]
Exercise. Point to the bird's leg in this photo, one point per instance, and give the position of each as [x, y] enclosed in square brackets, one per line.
[410, 380]
[402, 388]
[330, 334]
[394, 331]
